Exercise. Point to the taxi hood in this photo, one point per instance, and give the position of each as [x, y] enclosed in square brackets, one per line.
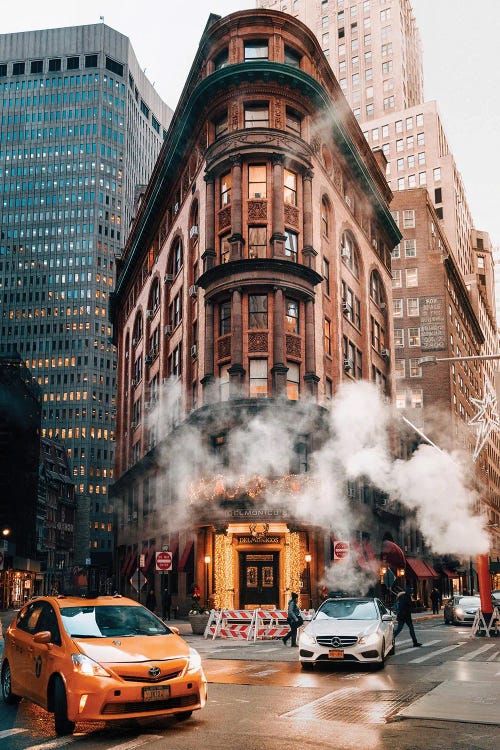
[133, 649]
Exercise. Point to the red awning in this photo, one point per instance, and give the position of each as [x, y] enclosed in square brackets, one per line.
[450, 573]
[184, 558]
[149, 556]
[433, 572]
[126, 562]
[420, 568]
[131, 564]
[392, 554]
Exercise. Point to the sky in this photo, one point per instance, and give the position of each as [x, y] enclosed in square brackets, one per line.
[460, 67]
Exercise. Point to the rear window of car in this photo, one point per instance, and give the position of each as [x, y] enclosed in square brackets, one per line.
[110, 622]
[348, 609]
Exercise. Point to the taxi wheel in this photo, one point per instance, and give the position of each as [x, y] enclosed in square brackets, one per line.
[184, 716]
[61, 722]
[7, 694]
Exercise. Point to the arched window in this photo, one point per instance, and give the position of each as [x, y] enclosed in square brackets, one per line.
[176, 257]
[138, 328]
[349, 252]
[154, 297]
[377, 288]
[194, 223]
[325, 217]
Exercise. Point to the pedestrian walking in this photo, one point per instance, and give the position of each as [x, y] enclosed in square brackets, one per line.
[166, 604]
[294, 619]
[151, 600]
[436, 600]
[403, 611]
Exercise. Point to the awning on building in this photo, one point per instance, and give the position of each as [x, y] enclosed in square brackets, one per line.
[126, 562]
[392, 554]
[184, 557]
[131, 564]
[365, 556]
[450, 573]
[149, 553]
[420, 568]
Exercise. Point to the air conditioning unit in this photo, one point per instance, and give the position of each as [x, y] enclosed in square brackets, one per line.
[168, 278]
[383, 305]
[150, 313]
[348, 365]
[374, 243]
[176, 208]
[126, 355]
[168, 330]
[345, 308]
[194, 351]
[133, 425]
[345, 252]
[133, 382]
[385, 353]
[149, 359]
[193, 290]
[135, 342]
[193, 232]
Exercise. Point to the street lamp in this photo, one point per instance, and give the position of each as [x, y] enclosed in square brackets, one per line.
[207, 563]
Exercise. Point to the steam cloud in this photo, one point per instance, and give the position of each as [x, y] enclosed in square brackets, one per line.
[432, 485]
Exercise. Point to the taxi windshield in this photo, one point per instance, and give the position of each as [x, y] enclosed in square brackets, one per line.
[348, 609]
[110, 622]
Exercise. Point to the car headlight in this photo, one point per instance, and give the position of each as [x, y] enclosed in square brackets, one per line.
[366, 639]
[88, 667]
[306, 639]
[194, 662]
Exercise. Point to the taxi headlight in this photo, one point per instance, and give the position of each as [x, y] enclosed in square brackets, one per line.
[88, 667]
[306, 639]
[366, 639]
[194, 662]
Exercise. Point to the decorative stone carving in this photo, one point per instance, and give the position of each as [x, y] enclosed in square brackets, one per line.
[258, 137]
[257, 342]
[224, 347]
[293, 346]
[316, 144]
[225, 217]
[257, 209]
[278, 114]
[291, 215]
[234, 116]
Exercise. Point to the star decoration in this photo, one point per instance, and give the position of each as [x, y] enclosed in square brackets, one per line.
[485, 419]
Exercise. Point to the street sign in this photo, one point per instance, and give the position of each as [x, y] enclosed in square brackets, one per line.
[389, 578]
[340, 550]
[164, 548]
[138, 579]
[1, 560]
[163, 561]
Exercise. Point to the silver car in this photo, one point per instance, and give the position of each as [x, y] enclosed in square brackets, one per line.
[461, 610]
[354, 629]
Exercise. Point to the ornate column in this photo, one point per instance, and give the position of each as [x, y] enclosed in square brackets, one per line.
[279, 368]
[308, 252]
[209, 254]
[236, 371]
[236, 239]
[310, 378]
[278, 209]
[208, 380]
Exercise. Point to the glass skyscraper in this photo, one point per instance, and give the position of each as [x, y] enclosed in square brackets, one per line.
[81, 128]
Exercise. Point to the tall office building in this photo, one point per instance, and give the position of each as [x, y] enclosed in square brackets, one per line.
[373, 47]
[81, 127]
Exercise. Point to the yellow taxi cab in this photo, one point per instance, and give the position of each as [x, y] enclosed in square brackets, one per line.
[99, 659]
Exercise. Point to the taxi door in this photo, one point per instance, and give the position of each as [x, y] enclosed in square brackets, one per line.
[44, 657]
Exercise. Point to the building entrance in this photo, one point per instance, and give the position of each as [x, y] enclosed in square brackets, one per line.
[259, 584]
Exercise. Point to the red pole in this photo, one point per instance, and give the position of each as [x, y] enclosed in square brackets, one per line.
[484, 581]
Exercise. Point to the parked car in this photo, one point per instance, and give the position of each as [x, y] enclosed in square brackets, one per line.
[100, 659]
[495, 595]
[351, 629]
[461, 610]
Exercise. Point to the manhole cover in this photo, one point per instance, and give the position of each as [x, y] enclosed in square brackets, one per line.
[356, 705]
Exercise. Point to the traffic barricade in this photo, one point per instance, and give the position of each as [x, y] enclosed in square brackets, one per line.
[273, 623]
[230, 623]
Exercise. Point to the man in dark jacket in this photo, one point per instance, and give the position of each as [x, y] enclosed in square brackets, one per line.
[404, 615]
[294, 620]
[436, 600]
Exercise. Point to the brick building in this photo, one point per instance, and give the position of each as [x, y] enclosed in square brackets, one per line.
[257, 272]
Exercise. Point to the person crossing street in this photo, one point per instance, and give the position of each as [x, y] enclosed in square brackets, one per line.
[403, 612]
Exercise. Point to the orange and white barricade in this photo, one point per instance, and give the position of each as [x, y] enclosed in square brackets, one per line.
[231, 623]
[273, 623]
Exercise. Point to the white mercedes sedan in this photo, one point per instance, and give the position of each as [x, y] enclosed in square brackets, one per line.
[357, 629]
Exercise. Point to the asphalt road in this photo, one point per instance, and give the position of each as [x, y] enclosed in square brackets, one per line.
[260, 698]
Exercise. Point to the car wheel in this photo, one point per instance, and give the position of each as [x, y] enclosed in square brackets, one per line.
[307, 666]
[7, 694]
[393, 648]
[381, 664]
[61, 722]
[184, 716]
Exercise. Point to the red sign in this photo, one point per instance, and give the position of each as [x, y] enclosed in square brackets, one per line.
[340, 550]
[163, 561]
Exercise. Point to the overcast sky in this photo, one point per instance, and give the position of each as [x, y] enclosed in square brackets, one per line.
[460, 43]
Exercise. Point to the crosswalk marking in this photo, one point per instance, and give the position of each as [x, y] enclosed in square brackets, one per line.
[50, 744]
[407, 650]
[493, 656]
[435, 653]
[9, 732]
[143, 739]
[472, 654]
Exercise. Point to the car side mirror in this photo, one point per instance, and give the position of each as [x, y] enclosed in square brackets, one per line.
[44, 636]
[174, 630]
[387, 618]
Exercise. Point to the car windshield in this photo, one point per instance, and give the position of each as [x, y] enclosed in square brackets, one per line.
[469, 601]
[347, 609]
[110, 622]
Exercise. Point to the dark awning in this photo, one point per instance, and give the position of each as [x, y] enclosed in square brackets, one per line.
[420, 568]
[392, 554]
[450, 573]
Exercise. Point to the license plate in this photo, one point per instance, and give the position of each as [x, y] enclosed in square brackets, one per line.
[336, 653]
[155, 693]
